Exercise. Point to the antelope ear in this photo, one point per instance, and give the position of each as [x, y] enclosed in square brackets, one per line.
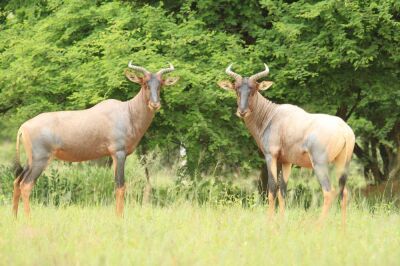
[226, 85]
[264, 85]
[133, 77]
[170, 81]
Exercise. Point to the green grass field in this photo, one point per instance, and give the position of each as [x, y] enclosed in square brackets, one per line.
[210, 221]
[186, 234]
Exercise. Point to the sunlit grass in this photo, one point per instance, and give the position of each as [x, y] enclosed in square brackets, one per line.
[186, 234]
[213, 220]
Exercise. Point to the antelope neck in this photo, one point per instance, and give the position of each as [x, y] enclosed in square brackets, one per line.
[140, 114]
[262, 112]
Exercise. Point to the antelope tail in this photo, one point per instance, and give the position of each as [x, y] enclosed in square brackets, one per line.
[17, 168]
[349, 146]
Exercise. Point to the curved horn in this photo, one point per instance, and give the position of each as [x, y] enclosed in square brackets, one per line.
[166, 70]
[261, 74]
[138, 68]
[231, 73]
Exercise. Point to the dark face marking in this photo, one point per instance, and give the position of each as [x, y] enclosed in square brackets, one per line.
[244, 92]
[154, 85]
[245, 89]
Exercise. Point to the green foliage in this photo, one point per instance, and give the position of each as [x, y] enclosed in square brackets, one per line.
[342, 58]
[75, 57]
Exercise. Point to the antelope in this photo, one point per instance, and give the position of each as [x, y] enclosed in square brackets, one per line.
[287, 135]
[110, 128]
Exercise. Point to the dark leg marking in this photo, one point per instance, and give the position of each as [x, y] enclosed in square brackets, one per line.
[283, 187]
[263, 182]
[320, 161]
[120, 169]
[342, 184]
[31, 175]
[322, 173]
[272, 185]
[20, 176]
[18, 170]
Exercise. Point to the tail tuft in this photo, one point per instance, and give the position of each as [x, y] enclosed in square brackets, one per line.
[17, 168]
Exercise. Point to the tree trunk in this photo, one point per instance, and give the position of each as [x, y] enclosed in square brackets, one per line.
[370, 162]
[394, 163]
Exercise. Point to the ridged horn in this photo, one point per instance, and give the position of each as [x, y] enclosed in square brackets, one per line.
[138, 68]
[231, 73]
[166, 70]
[261, 74]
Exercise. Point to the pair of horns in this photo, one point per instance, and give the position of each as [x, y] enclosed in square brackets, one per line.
[255, 77]
[145, 71]
[228, 71]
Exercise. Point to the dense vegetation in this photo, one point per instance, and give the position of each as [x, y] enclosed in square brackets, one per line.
[336, 57]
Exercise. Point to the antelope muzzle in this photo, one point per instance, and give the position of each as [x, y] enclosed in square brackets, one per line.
[154, 106]
[243, 113]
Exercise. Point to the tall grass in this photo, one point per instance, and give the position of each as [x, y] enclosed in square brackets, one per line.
[89, 184]
[191, 221]
[186, 234]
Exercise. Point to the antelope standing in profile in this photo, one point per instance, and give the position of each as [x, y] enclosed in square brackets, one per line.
[110, 128]
[286, 134]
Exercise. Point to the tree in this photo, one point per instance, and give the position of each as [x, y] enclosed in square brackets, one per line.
[341, 58]
[63, 56]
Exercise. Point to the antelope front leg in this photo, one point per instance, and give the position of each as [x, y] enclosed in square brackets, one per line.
[272, 183]
[286, 169]
[119, 169]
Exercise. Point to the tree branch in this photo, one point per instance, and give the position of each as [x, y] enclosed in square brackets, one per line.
[358, 100]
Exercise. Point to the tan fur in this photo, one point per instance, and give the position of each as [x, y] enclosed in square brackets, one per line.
[328, 198]
[72, 129]
[261, 113]
[288, 135]
[85, 135]
[109, 128]
[119, 196]
[295, 126]
[16, 196]
[25, 193]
